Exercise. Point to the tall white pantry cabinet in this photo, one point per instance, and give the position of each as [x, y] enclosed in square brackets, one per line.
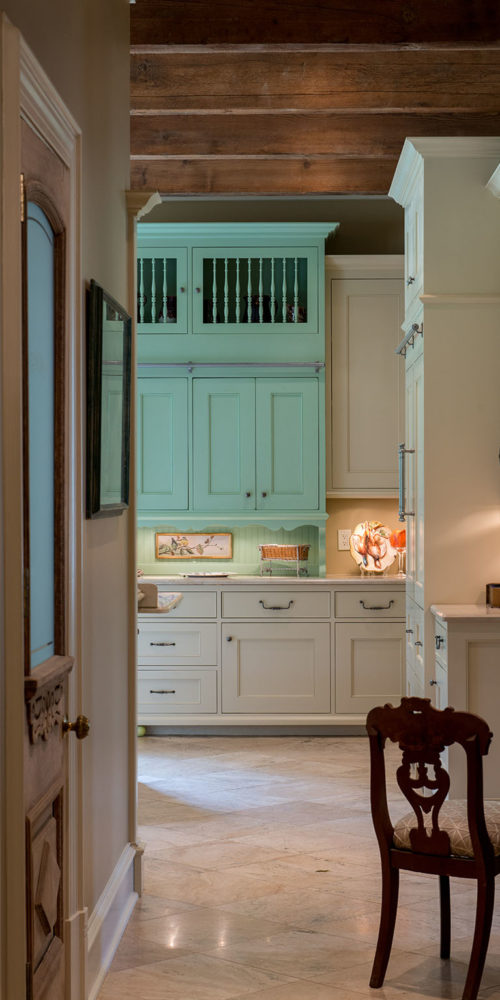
[451, 470]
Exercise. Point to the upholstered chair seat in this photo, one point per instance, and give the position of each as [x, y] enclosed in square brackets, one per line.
[452, 819]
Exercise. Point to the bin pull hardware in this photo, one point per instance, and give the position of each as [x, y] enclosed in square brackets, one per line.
[376, 607]
[151, 691]
[162, 643]
[276, 607]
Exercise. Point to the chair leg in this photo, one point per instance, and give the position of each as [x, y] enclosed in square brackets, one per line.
[444, 899]
[390, 891]
[484, 914]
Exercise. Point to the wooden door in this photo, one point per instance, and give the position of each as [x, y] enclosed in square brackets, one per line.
[224, 444]
[287, 436]
[162, 444]
[47, 663]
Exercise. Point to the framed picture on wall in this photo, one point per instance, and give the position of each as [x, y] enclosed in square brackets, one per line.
[201, 546]
[109, 339]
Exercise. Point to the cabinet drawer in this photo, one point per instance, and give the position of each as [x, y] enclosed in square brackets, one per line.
[177, 643]
[195, 604]
[370, 603]
[270, 603]
[164, 692]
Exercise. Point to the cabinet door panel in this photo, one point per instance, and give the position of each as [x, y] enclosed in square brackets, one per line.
[162, 300]
[162, 446]
[287, 444]
[367, 383]
[276, 667]
[369, 665]
[224, 444]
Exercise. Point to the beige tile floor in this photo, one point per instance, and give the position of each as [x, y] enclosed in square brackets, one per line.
[262, 881]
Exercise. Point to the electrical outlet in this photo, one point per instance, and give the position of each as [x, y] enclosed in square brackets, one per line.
[343, 536]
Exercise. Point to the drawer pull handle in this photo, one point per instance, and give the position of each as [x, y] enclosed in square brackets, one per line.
[276, 607]
[409, 631]
[418, 643]
[152, 691]
[377, 607]
[162, 643]
[439, 641]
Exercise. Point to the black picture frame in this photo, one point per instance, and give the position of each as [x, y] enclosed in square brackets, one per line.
[109, 344]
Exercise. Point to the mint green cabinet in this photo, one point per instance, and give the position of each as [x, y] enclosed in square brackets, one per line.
[255, 444]
[224, 444]
[162, 290]
[255, 290]
[287, 444]
[162, 444]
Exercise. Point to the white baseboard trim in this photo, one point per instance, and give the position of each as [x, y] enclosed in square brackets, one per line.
[76, 954]
[109, 919]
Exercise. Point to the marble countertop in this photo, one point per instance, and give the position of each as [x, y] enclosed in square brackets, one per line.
[278, 581]
[465, 612]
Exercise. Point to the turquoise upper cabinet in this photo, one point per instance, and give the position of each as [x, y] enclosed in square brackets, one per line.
[287, 444]
[257, 290]
[162, 444]
[223, 444]
[162, 297]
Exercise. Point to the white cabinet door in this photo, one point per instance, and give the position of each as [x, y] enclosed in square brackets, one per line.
[369, 665]
[414, 246]
[270, 667]
[414, 476]
[367, 385]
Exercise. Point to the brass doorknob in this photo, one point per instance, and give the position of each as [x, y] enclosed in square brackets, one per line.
[80, 728]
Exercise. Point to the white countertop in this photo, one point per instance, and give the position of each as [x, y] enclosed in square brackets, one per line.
[278, 581]
[465, 612]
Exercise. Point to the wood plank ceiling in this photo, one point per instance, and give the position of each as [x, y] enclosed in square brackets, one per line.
[299, 97]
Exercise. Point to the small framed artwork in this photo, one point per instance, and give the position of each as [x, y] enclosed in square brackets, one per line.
[206, 546]
[109, 338]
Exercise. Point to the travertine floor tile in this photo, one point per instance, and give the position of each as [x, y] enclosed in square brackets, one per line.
[262, 881]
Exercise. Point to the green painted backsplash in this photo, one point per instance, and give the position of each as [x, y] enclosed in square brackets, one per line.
[246, 555]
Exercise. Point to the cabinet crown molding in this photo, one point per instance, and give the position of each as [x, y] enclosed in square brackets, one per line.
[228, 232]
[416, 149]
[364, 265]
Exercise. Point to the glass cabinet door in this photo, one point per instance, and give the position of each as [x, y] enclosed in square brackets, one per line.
[255, 290]
[162, 292]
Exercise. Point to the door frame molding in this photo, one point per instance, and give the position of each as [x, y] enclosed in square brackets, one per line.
[28, 94]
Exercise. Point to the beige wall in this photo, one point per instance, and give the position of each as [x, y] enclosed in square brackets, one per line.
[348, 513]
[83, 46]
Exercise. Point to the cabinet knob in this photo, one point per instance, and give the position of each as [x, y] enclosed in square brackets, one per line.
[229, 638]
[182, 288]
[410, 280]
[433, 683]
[248, 493]
[264, 494]
[198, 290]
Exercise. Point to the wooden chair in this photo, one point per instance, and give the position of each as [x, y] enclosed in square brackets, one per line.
[438, 837]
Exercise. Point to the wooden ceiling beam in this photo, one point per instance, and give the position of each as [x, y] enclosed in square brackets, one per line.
[202, 22]
[454, 79]
[278, 175]
[328, 133]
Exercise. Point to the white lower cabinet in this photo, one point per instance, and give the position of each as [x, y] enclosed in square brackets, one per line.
[370, 659]
[276, 667]
[271, 653]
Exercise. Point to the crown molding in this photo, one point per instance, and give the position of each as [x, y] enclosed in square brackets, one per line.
[240, 230]
[416, 149]
[43, 108]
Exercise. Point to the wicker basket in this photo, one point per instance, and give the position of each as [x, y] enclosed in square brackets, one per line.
[285, 552]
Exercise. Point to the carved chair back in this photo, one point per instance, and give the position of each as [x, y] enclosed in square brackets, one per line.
[423, 733]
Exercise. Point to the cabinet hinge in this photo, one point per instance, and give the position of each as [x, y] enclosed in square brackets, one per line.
[22, 199]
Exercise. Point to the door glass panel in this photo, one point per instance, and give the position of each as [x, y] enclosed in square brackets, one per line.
[157, 290]
[40, 296]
